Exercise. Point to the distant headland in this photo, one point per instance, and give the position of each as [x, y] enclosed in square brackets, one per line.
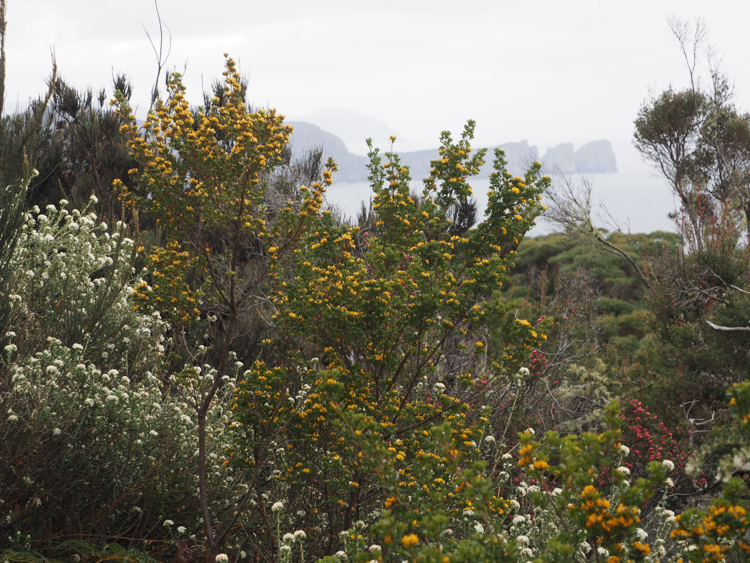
[592, 158]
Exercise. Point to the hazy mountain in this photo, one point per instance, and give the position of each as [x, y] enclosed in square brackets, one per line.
[590, 158]
[560, 159]
[307, 137]
[352, 127]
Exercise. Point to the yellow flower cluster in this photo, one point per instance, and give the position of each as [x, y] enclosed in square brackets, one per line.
[600, 517]
[409, 540]
[717, 530]
[525, 455]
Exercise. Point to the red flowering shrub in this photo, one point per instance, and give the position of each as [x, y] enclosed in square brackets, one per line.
[648, 439]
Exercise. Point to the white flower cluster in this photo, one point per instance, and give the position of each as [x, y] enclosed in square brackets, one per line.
[98, 399]
[75, 267]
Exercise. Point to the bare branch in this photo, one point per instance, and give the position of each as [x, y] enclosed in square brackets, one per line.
[570, 208]
[689, 42]
[728, 328]
[161, 59]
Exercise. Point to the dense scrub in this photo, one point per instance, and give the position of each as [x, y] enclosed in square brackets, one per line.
[200, 361]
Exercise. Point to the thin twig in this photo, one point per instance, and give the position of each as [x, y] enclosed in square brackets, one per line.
[160, 62]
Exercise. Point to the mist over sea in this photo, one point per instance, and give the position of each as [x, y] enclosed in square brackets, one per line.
[637, 200]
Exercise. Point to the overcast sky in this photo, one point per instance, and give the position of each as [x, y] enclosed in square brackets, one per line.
[547, 71]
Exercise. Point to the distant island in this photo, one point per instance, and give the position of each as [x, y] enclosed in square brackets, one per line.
[592, 158]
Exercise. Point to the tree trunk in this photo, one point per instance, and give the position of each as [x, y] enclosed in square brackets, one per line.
[3, 8]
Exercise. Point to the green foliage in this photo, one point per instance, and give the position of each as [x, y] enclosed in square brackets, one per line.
[542, 260]
[700, 141]
[440, 503]
[689, 293]
[81, 549]
[21, 135]
[11, 224]
[84, 151]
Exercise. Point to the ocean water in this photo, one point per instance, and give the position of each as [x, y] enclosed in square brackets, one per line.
[637, 200]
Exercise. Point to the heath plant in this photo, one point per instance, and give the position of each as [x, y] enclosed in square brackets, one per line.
[73, 277]
[205, 177]
[399, 315]
[95, 442]
[721, 532]
[599, 507]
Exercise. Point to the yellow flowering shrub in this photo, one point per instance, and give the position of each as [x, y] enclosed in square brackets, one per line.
[398, 316]
[207, 177]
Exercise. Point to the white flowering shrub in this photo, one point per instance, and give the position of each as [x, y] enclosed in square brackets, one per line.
[12, 197]
[73, 280]
[96, 439]
[87, 451]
